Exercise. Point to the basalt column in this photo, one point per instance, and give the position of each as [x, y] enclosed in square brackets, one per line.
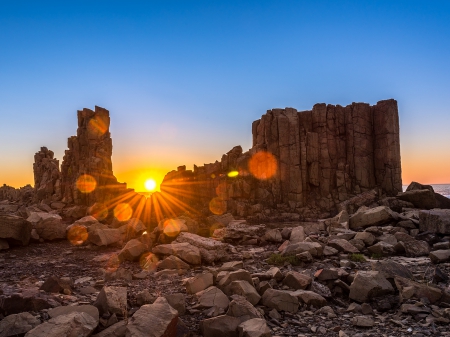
[47, 177]
[89, 156]
[332, 152]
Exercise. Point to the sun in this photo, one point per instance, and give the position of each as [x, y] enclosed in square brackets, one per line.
[150, 184]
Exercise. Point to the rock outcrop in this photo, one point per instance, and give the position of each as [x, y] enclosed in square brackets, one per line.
[87, 175]
[47, 177]
[304, 162]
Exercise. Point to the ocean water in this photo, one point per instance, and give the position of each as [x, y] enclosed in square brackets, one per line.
[443, 189]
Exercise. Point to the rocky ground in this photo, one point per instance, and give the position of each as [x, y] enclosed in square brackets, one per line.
[375, 273]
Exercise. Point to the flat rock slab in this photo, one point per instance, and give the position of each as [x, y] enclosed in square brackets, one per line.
[153, 320]
[17, 324]
[78, 324]
[435, 221]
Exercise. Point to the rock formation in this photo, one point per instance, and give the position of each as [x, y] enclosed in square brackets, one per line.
[304, 162]
[87, 175]
[47, 177]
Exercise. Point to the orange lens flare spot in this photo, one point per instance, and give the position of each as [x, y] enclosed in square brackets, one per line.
[263, 165]
[98, 126]
[86, 183]
[148, 261]
[221, 191]
[233, 174]
[218, 206]
[113, 262]
[77, 235]
[99, 211]
[172, 227]
[123, 212]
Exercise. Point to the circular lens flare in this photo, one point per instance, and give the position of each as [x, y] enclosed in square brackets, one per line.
[99, 211]
[218, 206]
[263, 165]
[77, 235]
[86, 183]
[123, 212]
[150, 184]
[172, 227]
[148, 261]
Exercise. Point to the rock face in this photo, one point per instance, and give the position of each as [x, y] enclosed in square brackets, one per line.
[90, 154]
[315, 159]
[47, 177]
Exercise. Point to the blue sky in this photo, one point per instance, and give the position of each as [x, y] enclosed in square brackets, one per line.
[184, 80]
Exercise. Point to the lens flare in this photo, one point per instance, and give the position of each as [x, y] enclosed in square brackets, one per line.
[113, 262]
[99, 211]
[150, 184]
[263, 165]
[98, 126]
[172, 227]
[233, 174]
[77, 235]
[148, 261]
[221, 191]
[86, 183]
[218, 206]
[123, 212]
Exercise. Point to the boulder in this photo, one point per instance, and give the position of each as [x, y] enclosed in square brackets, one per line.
[297, 235]
[363, 321]
[369, 284]
[199, 282]
[132, 250]
[55, 284]
[78, 324]
[435, 221]
[280, 300]
[256, 327]
[177, 301]
[310, 298]
[273, 235]
[410, 289]
[237, 275]
[241, 308]
[314, 248]
[68, 309]
[423, 199]
[366, 237]
[244, 289]
[343, 246]
[50, 227]
[372, 217]
[220, 326]
[382, 249]
[173, 262]
[17, 324]
[439, 256]
[184, 251]
[297, 280]
[104, 237]
[212, 297]
[416, 248]
[153, 320]
[210, 250]
[112, 300]
[389, 269]
[14, 229]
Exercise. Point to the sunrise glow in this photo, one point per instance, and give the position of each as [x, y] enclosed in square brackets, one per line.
[150, 184]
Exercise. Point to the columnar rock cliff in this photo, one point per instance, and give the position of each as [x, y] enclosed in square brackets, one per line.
[316, 160]
[89, 156]
[47, 177]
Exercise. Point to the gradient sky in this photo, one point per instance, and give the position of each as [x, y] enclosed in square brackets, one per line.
[184, 80]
